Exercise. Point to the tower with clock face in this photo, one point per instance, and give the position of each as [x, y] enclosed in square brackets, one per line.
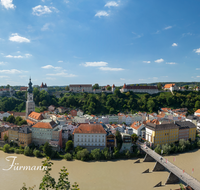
[30, 104]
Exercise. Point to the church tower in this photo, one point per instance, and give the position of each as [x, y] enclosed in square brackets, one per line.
[30, 104]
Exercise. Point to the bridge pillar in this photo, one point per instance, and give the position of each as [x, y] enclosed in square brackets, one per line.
[148, 158]
[158, 167]
[159, 184]
[172, 179]
[138, 161]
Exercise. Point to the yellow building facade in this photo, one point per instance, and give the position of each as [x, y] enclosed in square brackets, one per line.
[170, 132]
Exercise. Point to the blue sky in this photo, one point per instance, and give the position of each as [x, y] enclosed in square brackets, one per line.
[62, 42]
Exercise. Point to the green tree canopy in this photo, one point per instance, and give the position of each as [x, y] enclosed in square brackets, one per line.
[95, 86]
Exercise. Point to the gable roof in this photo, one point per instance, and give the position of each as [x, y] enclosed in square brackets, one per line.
[169, 85]
[45, 125]
[35, 115]
[90, 128]
[198, 111]
[23, 88]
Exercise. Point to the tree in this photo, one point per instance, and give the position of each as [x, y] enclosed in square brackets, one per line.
[47, 149]
[68, 157]
[134, 137]
[83, 155]
[36, 153]
[150, 105]
[95, 86]
[96, 154]
[197, 104]
[119, 140]
[4, 118]
[6, 148]
[5, 138]
[11, 119]
[69, 146]
[48, 182]
[28, 151]
[186, 87]
[117, 92]
[67, 88]
[159, 85]
[158, 149]
[109, 88]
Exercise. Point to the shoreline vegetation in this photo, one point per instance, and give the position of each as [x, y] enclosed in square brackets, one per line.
[80, 153]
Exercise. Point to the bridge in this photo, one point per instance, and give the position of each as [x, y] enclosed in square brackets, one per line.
[176, 175]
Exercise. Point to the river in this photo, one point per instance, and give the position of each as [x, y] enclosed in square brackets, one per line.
[104, 175]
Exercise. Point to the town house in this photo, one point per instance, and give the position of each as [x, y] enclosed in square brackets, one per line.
[42, 132]
[25, 136]
[90, 136]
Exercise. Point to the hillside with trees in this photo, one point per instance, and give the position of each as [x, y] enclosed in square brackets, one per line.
[104, 103]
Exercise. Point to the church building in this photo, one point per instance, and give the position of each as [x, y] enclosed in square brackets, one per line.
[30, 104]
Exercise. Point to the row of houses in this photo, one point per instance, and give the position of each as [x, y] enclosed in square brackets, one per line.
[172, 87]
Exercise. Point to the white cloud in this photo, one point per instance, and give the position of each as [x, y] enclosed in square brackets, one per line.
[11, 56]
[11, 71]
[16, 38]
[168, 27]
[174, 44]
[66, 1]
[8, 4]
[50, 67]
[155, 78]
[171, 63]
[62, 74]
[2, 63]
[198, 76]
[197, 68]
[159, 60]
[146, 61]
[95, 64]
[110, 69]
[137, 35]
[187, 34]
[50, 78]
[122, 79]
[19, 56]
[197, 50]
[111, 4]
[101, 13]
[60, 61]
[46, 26]
[41, 10]
[4, 77]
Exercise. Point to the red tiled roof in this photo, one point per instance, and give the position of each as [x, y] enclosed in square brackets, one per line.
[198, 111]
[90, 128]
[136, 125]
[43, 125]
[35, 115]
[169, 85]
[23, 88]
[30, 122]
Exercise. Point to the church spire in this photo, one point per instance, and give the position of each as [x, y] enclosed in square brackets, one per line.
[30, 88]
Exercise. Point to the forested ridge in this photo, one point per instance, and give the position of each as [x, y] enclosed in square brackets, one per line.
[103, 103]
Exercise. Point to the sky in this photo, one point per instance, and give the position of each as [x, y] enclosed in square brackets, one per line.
[62, 42]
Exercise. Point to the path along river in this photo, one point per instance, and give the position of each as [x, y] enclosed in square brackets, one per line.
[109, 175]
